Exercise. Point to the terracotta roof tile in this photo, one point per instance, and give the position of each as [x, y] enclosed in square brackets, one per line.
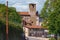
[34, 26]
[24, 13]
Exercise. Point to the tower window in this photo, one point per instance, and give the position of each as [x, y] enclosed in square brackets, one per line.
[32, 22]
[33, 5]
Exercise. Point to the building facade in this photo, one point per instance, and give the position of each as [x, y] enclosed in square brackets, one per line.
[31, 22]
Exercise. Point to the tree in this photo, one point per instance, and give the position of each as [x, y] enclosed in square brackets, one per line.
[51, 15]
[15, 26]
[13, 16]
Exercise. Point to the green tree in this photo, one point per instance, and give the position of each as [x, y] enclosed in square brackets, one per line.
[51, 15]
[13, 16]
[14, 20]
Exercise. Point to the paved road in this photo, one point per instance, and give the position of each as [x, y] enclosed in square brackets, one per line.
[33, 39]
[36, 38]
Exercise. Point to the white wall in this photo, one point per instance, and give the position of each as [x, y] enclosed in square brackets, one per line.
[37, 21]
[26, 30]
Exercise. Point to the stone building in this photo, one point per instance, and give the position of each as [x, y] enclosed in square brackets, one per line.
[32, 22]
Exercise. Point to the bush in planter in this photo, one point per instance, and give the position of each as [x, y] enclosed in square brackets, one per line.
[52, 39]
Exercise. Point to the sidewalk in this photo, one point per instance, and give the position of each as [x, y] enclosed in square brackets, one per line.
[37, 38]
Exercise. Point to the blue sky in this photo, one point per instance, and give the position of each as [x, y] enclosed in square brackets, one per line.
[23, 5]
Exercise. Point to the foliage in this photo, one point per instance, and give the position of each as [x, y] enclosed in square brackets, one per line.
[52, 39]
[14, 28]
[51, 15]
[13, 16]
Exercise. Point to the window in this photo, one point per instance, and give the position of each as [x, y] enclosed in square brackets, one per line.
[33, 5]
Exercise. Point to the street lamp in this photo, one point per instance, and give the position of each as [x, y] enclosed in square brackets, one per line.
[6, 20]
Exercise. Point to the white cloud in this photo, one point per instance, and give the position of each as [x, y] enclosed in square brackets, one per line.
[22, 5]
[16, 5]
[32, 2]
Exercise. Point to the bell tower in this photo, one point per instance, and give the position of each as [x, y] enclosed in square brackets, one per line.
[32, 12]
[32, 9]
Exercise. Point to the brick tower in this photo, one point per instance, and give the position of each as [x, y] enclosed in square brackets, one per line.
[32, 12]
[32, 9]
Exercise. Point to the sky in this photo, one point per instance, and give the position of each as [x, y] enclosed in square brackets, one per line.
[23, 5]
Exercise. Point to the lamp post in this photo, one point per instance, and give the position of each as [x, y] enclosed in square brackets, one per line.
[7, 20]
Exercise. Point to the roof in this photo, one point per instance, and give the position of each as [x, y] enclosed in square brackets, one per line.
[24, 13]
[34, 26]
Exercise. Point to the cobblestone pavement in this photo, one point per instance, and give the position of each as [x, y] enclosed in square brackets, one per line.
[37, 38]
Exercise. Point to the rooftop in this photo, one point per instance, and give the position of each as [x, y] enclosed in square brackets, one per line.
[34, 26]
[24, 13]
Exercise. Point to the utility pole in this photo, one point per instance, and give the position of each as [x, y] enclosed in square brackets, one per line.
[7, 20]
